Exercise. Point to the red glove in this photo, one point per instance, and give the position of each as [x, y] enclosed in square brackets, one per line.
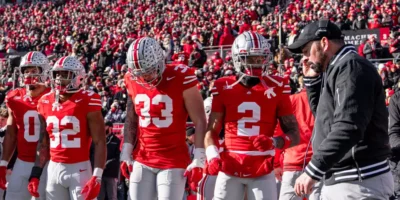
[194, 176]
[33, 187]
[263, 142]
[92, 188]
[126, 169]
[214, 166]
[3, 181]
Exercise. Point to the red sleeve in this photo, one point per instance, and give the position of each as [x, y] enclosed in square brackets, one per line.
[189, 78]
[284, 105]
[94, 102]
[8, 100]
[217, 101]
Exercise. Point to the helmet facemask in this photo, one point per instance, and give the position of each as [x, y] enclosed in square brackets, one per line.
[31, 76]
[65, 81]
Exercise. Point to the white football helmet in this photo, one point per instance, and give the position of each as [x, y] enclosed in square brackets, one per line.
[67, 74]
[146, 61]
[251, 54]
[34, 59]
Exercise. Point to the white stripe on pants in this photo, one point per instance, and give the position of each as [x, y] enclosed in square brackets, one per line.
[233, 188]
[145, 182]
[17, 187]
[206, 187]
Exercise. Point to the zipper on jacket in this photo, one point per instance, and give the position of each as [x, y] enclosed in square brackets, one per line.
[358, 169]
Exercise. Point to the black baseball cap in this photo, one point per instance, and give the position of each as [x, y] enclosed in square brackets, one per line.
[310, 33]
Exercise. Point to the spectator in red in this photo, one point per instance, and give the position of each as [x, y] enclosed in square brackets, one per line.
[180, 58]
[375, 23]
[188, 45]
[361, 47]
[217, 60]
[226, 38]
[246, 26]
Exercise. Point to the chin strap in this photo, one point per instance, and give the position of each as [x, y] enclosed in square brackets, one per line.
[56, 104]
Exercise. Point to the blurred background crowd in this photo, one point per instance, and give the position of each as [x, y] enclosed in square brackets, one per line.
[197, 33]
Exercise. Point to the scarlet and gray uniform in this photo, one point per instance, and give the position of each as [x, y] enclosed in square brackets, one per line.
[254, 111]
[159, 159]
[24, 110]
[69, 167]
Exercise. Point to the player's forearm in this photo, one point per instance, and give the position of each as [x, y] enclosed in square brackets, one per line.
[43, 146]
[9, 143]
[208, 139]
[131, 124]
[200, 133]
[43, 154]
[100, 154]
[290, 127]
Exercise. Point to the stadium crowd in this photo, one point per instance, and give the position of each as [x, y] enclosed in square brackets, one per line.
[100, 32]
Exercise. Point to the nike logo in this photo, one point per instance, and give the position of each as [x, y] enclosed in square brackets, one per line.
[170, 78]
[78, 100]
[82, 170]
[246, 175]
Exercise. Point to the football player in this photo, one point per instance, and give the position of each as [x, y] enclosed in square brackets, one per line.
[207, 183]
[70, 119]
[249, 106]
[22, 132]
[160, 99]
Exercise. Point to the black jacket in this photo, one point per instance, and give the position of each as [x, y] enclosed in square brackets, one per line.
[350, 138]
[394, 125]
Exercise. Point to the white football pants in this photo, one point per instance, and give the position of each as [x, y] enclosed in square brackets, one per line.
[233, 188]
[66, 181]
[146, 182]
[17, 187]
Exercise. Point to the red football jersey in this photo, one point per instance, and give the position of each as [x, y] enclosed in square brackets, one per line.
[26, 117]
[162, 118]
[249, 112]
[68, 128]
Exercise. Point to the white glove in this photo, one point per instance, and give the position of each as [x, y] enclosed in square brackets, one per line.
[198, 160]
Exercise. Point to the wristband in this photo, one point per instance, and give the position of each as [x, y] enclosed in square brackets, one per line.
[3, 163]
[212, 152]
[199, 154]
[36, 172]
[98, 172]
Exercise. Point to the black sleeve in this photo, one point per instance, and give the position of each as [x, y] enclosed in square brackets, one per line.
[313, 87]
[394, 124]
[354, 93]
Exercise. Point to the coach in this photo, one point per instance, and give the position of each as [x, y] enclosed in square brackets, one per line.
[350, 138]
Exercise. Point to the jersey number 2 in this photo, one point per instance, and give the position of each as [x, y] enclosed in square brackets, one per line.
[62, 137]
[256, 116]
[166, 113]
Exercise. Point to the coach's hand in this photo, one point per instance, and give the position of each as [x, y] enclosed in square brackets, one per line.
[304, 185]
